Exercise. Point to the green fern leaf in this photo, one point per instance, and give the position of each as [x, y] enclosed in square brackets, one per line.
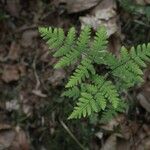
[99, 46]
[81, 73]
[74, 92]
[54, 37]
[68, 44]
[107, 89]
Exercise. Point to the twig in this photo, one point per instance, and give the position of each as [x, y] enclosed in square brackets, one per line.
[71, 134]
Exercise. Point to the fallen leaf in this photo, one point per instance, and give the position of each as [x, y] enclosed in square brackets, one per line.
[13, 72]
[147, 1]
[141, 2]
[57, 77]
[12, 105]
[10, 73]
[103, 15]
[144, 144]
[123, 144]
[113, 123]
[4, 126]
[28, 37]
[110, 143]
[79, 5]
[144, 100]
[6, 138]
[20, 142]
[13, 7]
[14, 51]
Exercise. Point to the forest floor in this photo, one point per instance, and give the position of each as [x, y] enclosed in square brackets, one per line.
[33, 116]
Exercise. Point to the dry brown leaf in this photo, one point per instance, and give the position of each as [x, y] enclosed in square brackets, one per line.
[144, 97]
[13, 72]
[143, 2]
[113, 123]
[13, 139]
[10, 73]
[6, 138]
[4, 126]
[28, 37]
[14, 51]
[74, 6]
[13, 7]
[144, 144]
[110, 143]
[103, 15]
[123, 144]
[27, 107]
[20, 142]
[147, 1]
[57, 77]
[12, 105]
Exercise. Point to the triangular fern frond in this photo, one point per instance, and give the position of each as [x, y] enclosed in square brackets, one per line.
[85, 106]
[81, 73]
[96, 91]
[79, 48]
[130, 64]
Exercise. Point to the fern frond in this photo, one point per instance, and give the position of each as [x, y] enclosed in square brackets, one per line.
[130, 64]
[110, 112]
[99, 46]
[101, 100]
[79, 48]
[54, 38]
[95, 93]
[90, 88]
[73, 92]
[85, 106]
[81, 73]
[107, 89]
[68, 59]
[68, 44]
[84, 39]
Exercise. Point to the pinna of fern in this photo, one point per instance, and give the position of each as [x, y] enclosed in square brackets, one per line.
[95, 93]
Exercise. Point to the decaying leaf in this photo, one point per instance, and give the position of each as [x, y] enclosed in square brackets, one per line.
[28, 37]
[6, 139]
[12, 105]
[13, 72]
[20, 142]
[144, 97]
[143, 2]
[13, 7]
[147, 1]
[114, 123]
[57, 77]
[14, 51]
[110, 143]
[103, 15]
[74, 6]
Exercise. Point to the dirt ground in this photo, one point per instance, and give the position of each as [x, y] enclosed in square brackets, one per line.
[32, 113]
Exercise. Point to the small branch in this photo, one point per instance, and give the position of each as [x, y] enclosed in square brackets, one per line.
[71, 134]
